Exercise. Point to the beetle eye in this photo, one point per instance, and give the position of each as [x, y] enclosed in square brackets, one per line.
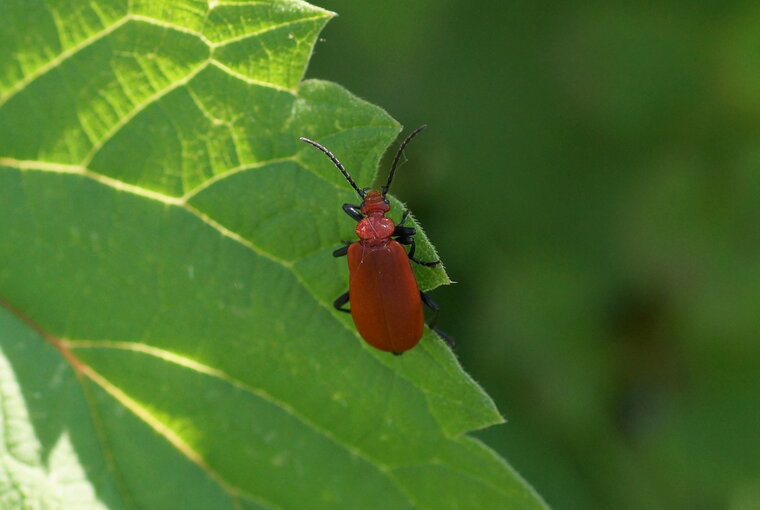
[386, 201]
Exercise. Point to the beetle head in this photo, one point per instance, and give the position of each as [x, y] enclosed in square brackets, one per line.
[375, 203]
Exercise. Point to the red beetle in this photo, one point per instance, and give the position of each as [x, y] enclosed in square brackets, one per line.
[386, 303]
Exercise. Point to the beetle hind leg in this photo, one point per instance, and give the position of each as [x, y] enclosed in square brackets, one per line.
[435, 308]
[342, 300]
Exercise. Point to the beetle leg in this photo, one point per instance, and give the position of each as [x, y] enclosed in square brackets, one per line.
[435, 308]
[342, 300]
[341, 252]
[410, 241]
[400, 231]
[354, 211]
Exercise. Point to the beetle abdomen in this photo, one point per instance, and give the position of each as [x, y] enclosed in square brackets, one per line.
[385, 300]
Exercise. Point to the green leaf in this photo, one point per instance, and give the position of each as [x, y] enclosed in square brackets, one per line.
[166, 333]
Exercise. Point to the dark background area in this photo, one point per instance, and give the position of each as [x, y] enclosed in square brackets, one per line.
[591, 177]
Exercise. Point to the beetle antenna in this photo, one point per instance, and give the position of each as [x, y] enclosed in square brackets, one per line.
[336, 163]
[398, 156]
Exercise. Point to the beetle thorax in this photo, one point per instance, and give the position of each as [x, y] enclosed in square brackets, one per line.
[375, 229]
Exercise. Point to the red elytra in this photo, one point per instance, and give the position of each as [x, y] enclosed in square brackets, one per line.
[385, 299]
[386, 303]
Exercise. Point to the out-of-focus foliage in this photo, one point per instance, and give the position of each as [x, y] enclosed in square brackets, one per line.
[592, 178]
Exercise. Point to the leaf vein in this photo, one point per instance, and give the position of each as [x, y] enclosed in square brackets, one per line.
[171, 26]
[207, 370]
[164, 431]
[232, 171]
[270, 28]
[59, 59]
[126, 119]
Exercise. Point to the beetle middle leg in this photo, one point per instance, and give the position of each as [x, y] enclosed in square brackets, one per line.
[401, 230]
[435, 308]
[412, 246]
[342, 300]
[405, 235]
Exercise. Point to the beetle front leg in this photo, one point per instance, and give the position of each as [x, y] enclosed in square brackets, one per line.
[354, 211]
[435, 308]
[342, 300]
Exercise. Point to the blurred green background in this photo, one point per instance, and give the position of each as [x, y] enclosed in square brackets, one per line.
[591, 177]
